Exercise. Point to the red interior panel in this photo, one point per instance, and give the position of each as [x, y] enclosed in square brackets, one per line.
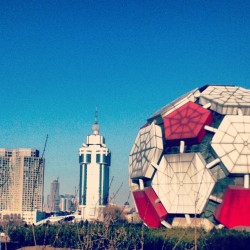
[187, 123]
[150, 211]
[235, 209]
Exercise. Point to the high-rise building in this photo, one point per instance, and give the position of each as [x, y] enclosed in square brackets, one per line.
[94, 159]
[21, 183]
[54, 200]
[67, 203]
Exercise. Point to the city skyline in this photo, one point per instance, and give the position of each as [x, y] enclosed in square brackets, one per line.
[59, 60]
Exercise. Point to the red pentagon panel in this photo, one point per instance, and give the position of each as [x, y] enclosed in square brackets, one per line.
[234, 210]
[187, 123]
[150, 210]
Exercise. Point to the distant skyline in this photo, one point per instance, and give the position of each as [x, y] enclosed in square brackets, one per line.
[61, 59]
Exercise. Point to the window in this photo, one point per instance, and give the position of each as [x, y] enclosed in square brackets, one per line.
[81, 158]
[97, 158]
[88, 158]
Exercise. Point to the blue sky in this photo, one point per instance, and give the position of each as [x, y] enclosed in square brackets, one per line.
[61, 59]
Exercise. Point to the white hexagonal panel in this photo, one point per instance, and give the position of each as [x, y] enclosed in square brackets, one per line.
[231, 143]
[183, 183]
[226, 100]
[147, 148]
[190, 96]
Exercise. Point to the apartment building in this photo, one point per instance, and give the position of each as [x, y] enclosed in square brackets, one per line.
[21, 184]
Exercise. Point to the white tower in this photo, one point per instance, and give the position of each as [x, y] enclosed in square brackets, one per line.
[94, 159]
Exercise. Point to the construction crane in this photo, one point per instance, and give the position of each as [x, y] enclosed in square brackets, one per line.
[35, 186]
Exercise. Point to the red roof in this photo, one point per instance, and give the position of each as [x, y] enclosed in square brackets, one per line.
[234, 210]
[151, 211]
[187, 123]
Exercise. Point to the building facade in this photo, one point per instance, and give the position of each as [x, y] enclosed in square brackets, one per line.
[94, 159]
[67, 203]
[21, 183]
[54, 199]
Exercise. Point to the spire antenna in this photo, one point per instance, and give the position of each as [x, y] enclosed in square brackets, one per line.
[95, 127]
[96, 115]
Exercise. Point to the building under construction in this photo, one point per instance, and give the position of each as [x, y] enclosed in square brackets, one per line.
[21, 184]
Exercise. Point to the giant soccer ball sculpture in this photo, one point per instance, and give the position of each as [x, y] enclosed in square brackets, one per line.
[190, 163]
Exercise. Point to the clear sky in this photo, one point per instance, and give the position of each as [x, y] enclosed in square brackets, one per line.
[61, 59]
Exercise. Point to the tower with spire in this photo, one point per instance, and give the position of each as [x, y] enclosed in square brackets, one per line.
[94, 159]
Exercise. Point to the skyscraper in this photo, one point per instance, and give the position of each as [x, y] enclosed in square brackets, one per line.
[54, 196]
[94, 159]
[21, 183]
